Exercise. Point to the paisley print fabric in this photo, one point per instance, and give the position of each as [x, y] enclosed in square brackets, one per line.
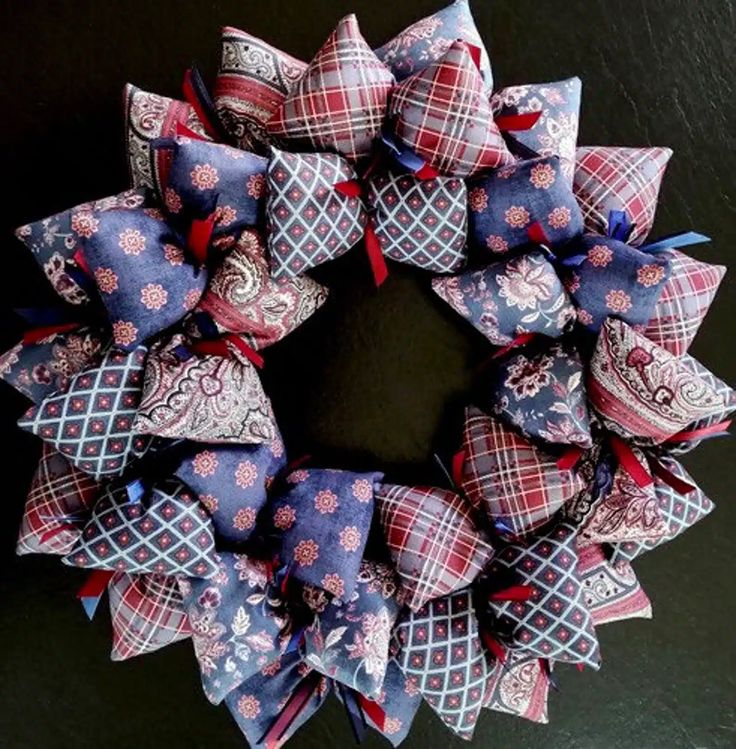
[54, 241]
[243, 298]
[204, 398]
[443, 113]
[339, 102]
[556, 131]
[253, 79]
[39, 369]
[505, 204]
[511, 297]
[148, 117]
[520, 686]
[426, 40]
[641, 390]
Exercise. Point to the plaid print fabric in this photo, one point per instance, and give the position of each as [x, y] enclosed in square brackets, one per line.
[340, 101]
[684, 302]
[309, 221]
[443, 113]
[91, 424]
[441, 654]
[433, 541]
[555, 622]
[515, 483]
[609, 178]
[420, 222]
[166, 533]
[57, 505]
[612, 592]
[519, 686]
[147, 614]
[253, 79]
[680, 512]
[148, 117]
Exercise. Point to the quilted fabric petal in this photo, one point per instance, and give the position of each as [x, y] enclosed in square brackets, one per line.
[243, 298]
[204, 398]
[442, 656]
[322, 519]
[237, 621]
[147, 614]
[253, 79]
[510, 297]
[616, 279]
[556, 131]
[684, 302]
[541, 393]
[54, 241]
[310, 222]
[514, 482]
[339, 103]
[57, 506]
[420, 222]
[680, 512]
[641, 390]
[232, 483]
[148, 117]
[519, 686]
[443, 113]
[433, 539]
[426, 40]
[40, 369]
[612, 592]
[609, 178]
[504, 204]
[166, 533]
[349, 640]
[91, 424]
[554, 623]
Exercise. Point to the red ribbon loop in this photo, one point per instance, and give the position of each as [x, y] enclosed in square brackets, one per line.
[627, 459]
[221, 347]
[475, 53]
[351, 188]
[689, 435]
[80, 260]
[198, 240]
[513, 593]
[194, 100]
[537, 234]
[518, 122]
[494, 646]
[458, 462]
[187, 132]
[568, 460]
[426, 172]
[38, 334]
[520, 340]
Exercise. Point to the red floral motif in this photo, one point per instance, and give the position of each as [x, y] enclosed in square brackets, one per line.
[204, 176]
[84, 224]
[306, 552]
[249, 706]
[244, 518]
[572, 283]
[600, 255]
[106, 280]
[350, 538]
[210, 502]
[284, 518]
[477, 199]
[505, 172]
[362, 490]
[225, 215]
[124, 333]
[325, 502]
[205, 463]
[526, 377]
[391, 726]
[296, 477]
[542, 176]
[524, 284]
[132, 242]
[585, 317]
[650, 275]
[497, 244]
[174, 254]
[246, 474]
[154, 296]
[191, 298]
[334, 584]
[618, 300]
[256, 185]
[559, 218]
[277, 448]
[517, 216]
[172, 200]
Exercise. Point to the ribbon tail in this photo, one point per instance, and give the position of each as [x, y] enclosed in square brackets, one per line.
[630, 463]
[518, 122]
[569, 459]
[294, 706]
[200, 234]
[93, 589]
[520, 340]
[374, 711]
[375, 254]
[197, 95]
[664, 474]
[354, 712]
[714, 430]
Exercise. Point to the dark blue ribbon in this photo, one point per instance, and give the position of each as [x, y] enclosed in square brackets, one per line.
[401, 153]
[354, 712]
[43, 317]
[619, 226]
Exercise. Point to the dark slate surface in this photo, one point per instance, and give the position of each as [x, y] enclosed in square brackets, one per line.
[376, 379]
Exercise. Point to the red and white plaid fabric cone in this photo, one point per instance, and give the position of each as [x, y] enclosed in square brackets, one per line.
[340, 101]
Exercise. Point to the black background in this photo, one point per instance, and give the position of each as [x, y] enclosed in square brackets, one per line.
[377, 378]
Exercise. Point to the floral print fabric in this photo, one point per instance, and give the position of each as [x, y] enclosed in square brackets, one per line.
[505, 204]
[510, 297]
[236, 620]
[322, 519]
[349, 640]
[541, 392]
[519, 686]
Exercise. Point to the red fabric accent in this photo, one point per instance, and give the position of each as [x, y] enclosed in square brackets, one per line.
[38, 334]
[580, 667]
[350, 188]
[190, 95]
[79, 259]
[294, 706]
[518, 122]
[250, 353]
[373, 710]
[182, 129]
[55, 532]
[375, 254]
[569, 458]
[200, 233]
[630, 463]
[94, 586]
[298, 462]
[221, 347]
[217, 347]
[458, 461]
[520, 340]
[537, 234]
[664, 474]
[498, 651]
[513, 593]
[475, 54]
[426, 172]
[694, 434]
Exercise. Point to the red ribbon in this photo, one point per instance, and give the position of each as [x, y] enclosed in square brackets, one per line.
[80, 260]
[520, 340]
[426, 172]
[513, 593]
[38, 334]
[458, 461]
[694, 434]
[517, 122]
[664, 474]
[182, 129]
[198, 240]
[190, 94]
[537, 234]
[580, 667]
[495, 647]
[630, 463]
[221, 347]
[373, 710]
[351, 188]
[475, 53]
[295, 705]
[569, 458]
[95, 584]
